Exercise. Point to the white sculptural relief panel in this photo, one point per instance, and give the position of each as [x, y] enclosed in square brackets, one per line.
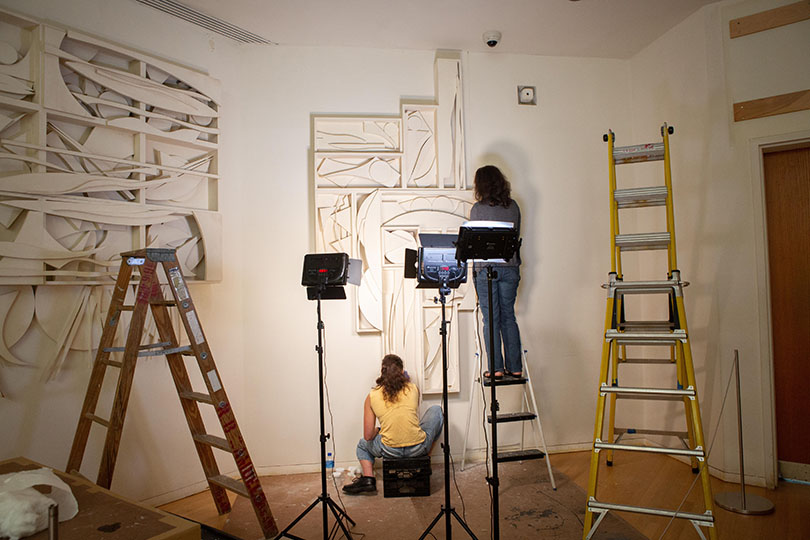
[109, 150]
[373, 197]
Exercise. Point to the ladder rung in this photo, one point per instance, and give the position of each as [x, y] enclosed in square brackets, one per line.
[645, 287]
[705, 520]
[127, 308]
[642, 241]
[649, 449]
[646, 325]
[635, 431]
[506, 381]
[197, 396]
[213, 440]
[169, 303]
[646, 361]
[645, 338]
[97, 419]
[640, 197]
[520, 455]
[627, 391]
[152, 352]
[638, 153]
[112, 363]
[230, 484]
[513, 417]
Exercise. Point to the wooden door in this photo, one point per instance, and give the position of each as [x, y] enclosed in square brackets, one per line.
[787, 200]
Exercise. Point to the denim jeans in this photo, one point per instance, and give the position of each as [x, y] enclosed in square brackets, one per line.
[431, 424]
[504, 293]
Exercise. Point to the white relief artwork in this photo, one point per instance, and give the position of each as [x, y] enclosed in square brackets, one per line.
[109, 150]
[378, 185]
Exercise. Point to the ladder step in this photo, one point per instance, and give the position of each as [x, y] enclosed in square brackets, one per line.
[630, 326]
[112, 363]
[638, 153]
[645, 287]
[152, 352]
[646, 338]
[513, 417]
[127, 308]
[635, 431]
[230, 484]
[213, 440]
[642, 241]
[648, 361]
[97, 419]
[641, 197]
[648, 393]
[705, 520]
[506, 381]
[650, 449]
[197, 396]
[520, 455]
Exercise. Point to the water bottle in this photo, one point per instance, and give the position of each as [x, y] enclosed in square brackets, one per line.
[330, 463]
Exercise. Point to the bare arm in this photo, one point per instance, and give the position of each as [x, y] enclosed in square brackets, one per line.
[369, 421]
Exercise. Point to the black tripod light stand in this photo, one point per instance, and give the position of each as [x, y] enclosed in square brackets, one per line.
[488, 241]
[318, 292]
[446, 509]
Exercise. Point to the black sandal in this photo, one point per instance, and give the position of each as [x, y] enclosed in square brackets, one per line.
[516, 375]
[497, 377]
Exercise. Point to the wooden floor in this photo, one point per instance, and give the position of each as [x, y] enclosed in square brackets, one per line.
[641, 479]
[661, 481]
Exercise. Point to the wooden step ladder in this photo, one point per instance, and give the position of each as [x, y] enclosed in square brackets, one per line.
[621, 334]
[150, 295]
[528, 412]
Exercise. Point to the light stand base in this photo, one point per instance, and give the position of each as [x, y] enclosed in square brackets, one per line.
[754, 505]
[339, 513]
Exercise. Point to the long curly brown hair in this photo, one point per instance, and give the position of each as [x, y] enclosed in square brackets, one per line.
[492, 187]
[392, 378]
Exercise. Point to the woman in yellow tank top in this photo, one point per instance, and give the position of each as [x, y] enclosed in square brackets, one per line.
[395, 403]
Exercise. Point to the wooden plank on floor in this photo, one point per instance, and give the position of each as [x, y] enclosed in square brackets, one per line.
[771, 106]
[772, 18]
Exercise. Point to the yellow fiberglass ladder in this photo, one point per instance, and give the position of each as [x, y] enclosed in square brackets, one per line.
[622, 334]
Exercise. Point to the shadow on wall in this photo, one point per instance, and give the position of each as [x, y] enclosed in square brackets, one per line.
[514, 164]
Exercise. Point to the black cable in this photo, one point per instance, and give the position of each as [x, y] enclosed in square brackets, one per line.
[463, 507]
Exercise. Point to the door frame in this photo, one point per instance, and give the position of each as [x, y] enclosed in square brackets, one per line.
[757, 148]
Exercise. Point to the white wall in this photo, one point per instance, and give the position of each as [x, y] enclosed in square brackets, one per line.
[261, 328]
[38, 420]
[690, 77]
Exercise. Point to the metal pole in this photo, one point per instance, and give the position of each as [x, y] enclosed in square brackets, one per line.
[53, 522]
[738, 502]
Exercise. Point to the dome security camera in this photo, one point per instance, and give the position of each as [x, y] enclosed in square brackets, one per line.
[492, 38]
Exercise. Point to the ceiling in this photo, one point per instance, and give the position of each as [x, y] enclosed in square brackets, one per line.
[595, 28]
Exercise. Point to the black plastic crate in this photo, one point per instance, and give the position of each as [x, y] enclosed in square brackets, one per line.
[406, 477]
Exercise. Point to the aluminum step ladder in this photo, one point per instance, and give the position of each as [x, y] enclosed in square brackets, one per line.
[149, 296]
[528, 413]
[622, 335]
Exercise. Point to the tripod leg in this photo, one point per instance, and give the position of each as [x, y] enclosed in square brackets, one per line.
[432, 524]
[337, 508]
[461, 522]
[283, 533]
[339, 518]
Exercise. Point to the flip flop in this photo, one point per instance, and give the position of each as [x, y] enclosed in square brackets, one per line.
[516, 375]
[497, 377]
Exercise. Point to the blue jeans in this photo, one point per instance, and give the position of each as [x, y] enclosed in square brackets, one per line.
[431, 424]
[504, 293]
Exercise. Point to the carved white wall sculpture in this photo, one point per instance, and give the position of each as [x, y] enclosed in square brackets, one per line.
[379, 182]
[102, 150]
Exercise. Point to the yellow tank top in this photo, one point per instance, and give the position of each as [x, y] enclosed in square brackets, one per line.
[399, 421]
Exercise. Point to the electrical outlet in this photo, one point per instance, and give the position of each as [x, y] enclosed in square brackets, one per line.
[527, 95]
